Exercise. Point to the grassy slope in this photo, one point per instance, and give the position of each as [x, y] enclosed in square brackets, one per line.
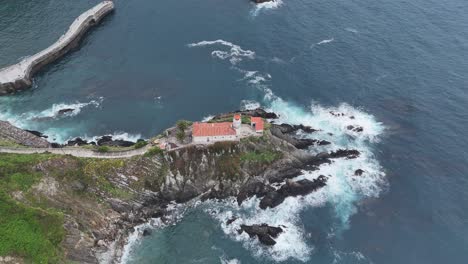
[32, 233]
[33, 230]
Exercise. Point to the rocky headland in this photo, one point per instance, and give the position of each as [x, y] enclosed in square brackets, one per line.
[99, 202]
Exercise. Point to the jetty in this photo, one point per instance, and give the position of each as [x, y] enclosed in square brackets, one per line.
[19, 76]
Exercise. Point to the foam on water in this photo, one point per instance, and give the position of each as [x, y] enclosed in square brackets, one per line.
[235, 54]
[22, 120]
[342, 192]
[266, 5]
[325, 41]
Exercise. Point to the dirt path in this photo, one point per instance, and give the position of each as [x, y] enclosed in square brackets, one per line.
[77, 152]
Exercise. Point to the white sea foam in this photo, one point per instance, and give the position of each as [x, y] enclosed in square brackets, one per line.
[352, 30]
[224, 260]
[249, 105]
[325, 41]
[22, 120]
[235, 54]
[266, 5]
[207, 118]
[115, 136]
[343, 190]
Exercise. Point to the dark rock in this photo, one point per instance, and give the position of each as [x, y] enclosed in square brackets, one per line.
[355, 128]
[287, 128]
[262, 1]
[285, 173]
[108, 141]
[323, 142]
[292, 188]
[358, 172]
[231, 220]
[263, 232]
[345, 153]
[65, 111]
[55, 145]
[251, 188]
[36, 133]
[146, 232]
[77, 142]
[337, 114]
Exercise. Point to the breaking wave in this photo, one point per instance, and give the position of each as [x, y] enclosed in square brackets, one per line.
[266, 5]
[343, 191]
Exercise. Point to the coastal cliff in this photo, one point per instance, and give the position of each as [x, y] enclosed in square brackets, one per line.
[95, 204]
[19, 76]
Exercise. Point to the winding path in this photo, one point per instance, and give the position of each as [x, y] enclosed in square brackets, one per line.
[77, 152]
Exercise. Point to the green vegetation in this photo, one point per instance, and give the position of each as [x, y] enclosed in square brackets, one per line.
[10, 144]
[153, 151]
[261, 157]
[31, 233]
[182, 125]
[28, 232]
[180, 135]
[103, 149]
[140, 144]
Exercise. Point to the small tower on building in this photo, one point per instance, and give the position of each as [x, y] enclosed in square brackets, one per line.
[237, 122]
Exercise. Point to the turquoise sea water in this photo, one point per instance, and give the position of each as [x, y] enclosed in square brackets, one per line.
[399, 66]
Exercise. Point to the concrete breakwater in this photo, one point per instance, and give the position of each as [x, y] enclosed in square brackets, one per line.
[18, 76]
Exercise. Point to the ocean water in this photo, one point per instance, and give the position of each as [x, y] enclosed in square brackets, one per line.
[399, 67]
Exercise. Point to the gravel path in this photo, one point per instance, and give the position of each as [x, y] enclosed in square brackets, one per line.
[77, 152]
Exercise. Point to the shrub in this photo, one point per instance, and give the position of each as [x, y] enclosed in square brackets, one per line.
[103, 149]
[180, 135]
[182, 125]
[153, 152]
[140, 144]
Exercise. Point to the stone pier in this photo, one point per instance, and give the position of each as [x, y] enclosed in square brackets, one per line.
[19, 76]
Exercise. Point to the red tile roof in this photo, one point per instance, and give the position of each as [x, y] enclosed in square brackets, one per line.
[258, 123]
[237, 116]
[213, 129]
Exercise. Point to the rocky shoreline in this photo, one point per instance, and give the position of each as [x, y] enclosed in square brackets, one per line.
[142, 188]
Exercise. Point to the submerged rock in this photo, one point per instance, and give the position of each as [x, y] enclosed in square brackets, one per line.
[292, 188]
[65, 111]
[263, 232]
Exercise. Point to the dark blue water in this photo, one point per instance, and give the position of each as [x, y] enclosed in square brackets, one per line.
[401, 66]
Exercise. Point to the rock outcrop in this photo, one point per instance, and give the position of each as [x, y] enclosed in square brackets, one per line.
[19, 76]
[263, 232]
[291, 188]
[21, 137]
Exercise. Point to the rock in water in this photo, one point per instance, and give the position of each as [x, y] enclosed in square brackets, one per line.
[65, 111]
[263, 232]
[108, 141]
[262, 1]
[77, 142]
[292, 188]
[358, 172]
[146, 232]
